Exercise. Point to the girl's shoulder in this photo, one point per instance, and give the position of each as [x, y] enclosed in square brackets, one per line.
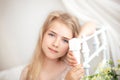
[24, 73]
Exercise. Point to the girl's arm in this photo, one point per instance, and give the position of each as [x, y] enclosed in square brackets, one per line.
[77, 70]
[86, 30]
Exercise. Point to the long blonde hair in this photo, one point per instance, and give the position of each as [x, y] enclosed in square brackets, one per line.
[38, 58]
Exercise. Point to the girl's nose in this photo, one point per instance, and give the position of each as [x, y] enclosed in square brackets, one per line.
[56, 42]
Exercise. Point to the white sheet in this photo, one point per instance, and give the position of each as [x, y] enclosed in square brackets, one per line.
[11, 74]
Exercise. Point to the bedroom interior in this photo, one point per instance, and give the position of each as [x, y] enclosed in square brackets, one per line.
[21, 19]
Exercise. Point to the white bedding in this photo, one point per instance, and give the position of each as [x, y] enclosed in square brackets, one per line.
[11, 74]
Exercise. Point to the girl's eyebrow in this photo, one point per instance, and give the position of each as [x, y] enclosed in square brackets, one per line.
[62, 36]
[66, 38]
[52, 31]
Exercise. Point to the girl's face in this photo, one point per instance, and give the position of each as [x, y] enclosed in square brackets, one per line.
[55, 40]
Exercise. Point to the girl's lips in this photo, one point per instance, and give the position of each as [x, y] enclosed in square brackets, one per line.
[53, 51]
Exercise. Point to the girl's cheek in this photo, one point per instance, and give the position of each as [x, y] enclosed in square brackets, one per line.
[65, 49]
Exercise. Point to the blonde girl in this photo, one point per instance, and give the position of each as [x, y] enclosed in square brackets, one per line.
[48, 62]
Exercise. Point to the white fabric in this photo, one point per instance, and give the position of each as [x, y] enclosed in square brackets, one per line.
[11, 74]
[102, 12]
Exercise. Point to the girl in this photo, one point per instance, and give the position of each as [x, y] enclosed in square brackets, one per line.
[48, 62]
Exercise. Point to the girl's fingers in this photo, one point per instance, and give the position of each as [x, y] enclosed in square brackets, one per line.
[78, 71]
[70, 58]
[78, 67]
[73, 64]
[70, 55]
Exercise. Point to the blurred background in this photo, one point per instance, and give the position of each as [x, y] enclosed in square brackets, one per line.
[20, 22]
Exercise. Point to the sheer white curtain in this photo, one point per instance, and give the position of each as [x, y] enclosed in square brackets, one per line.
[102, 12]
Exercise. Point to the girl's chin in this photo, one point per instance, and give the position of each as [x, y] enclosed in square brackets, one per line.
[52, 57]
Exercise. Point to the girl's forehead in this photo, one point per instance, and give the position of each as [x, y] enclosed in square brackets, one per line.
[60, 29]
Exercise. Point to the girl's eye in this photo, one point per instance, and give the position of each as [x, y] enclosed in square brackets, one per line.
[66, 41]
[50, 34]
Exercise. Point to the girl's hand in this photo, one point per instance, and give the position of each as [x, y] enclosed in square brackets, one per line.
[75, 73]
[70, 59]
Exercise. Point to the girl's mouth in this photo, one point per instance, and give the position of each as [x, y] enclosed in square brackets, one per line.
[53, 50]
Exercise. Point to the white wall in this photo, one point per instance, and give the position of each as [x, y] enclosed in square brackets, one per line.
[20, 21]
